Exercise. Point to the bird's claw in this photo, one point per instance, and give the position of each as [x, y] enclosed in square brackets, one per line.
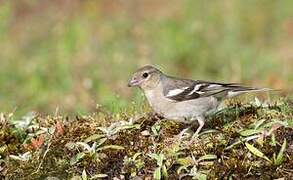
[195, 136]
[184, 134]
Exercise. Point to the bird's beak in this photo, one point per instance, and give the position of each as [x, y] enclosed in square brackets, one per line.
[133, 82]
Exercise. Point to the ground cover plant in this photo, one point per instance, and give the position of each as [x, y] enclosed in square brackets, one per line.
[251, 141]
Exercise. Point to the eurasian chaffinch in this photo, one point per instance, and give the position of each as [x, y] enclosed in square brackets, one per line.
[184, 100]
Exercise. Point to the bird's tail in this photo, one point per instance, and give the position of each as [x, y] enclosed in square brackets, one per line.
[235, 91]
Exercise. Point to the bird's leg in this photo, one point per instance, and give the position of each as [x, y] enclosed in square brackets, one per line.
[157, 116]
[181, 134]
[201, 122]
[184, 131]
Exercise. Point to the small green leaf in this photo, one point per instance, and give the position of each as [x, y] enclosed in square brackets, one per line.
[132, 126]
[101, 141]
[99, 176]
[136, 155]
[249, 138]
[153, 156]
[94, 137]
[157, 173]
[187, 161]
[208, 132]
[84, 175]
[156, 129]
[158, 157]
[165, 171]
[76, 158]
[257, 124]
[208, 157]
[280, 156]
[85, 146]
[116, 147]
[281, 123]
[104, 130]
[3, 149]
[250, 132]
[274, 159]
[273, 140]
[70, 146]
[201, 176]
[260, 140]
[255, 151]
[234, 144]
[290, 123]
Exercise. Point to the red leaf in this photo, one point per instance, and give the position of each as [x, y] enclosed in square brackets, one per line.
[36, 143]
[59, 128]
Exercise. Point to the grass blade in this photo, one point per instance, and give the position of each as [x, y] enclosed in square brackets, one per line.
[280, 156]
[157, 174]
[255, 151]
[208, 157]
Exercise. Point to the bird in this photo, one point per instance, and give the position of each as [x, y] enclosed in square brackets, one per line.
[184, 100]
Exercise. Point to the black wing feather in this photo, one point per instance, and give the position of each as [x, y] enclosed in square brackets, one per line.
[196, 89]
[185, 95]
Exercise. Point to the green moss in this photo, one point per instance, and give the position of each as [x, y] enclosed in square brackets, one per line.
[122, 148]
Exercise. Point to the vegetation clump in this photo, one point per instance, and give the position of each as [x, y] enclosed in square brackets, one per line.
[248, 141]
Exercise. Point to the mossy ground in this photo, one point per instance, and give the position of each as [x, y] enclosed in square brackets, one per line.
[242, 141]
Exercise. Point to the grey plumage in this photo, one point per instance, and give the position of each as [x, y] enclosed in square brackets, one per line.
[184, 100]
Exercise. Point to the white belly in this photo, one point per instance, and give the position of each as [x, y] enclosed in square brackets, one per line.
[192, 108]
[180, 110]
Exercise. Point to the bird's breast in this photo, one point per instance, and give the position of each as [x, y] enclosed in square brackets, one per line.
[157, 101]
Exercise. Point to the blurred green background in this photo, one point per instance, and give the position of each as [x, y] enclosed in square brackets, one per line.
[74, 54]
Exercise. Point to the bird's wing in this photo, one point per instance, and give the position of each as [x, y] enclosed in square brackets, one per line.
[185, 89]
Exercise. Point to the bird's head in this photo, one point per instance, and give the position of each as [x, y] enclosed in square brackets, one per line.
[146, 77]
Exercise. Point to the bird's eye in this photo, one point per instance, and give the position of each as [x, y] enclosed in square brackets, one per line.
[145, 75]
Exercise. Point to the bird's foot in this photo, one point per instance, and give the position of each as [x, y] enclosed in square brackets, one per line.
[157, 116]
[194, 139]
[195, 136]
[185, 133]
